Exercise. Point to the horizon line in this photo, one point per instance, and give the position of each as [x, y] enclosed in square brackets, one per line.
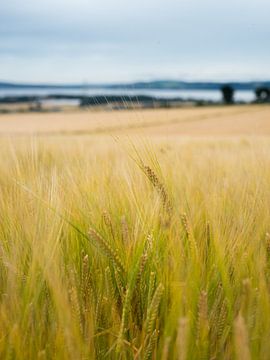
[123, 83]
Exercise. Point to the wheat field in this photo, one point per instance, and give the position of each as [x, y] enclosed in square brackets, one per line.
[215, 121]
[130, 247]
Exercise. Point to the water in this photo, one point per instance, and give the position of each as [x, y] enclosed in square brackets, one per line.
[210, 95]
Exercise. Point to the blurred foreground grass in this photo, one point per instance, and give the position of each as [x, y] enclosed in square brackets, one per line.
[146, 252]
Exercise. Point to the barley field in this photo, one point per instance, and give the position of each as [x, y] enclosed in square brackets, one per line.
[143, 244]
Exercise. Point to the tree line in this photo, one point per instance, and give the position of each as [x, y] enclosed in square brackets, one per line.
[262, 94]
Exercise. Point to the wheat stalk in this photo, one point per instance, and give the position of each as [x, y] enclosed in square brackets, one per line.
[182, 338]
[241, 339]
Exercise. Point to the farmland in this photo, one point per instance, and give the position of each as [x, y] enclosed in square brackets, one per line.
[135, 234]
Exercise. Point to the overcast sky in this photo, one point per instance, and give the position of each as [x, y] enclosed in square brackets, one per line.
[122, 40]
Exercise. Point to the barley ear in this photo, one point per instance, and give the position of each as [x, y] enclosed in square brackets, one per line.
[104, 245]
[153, 309]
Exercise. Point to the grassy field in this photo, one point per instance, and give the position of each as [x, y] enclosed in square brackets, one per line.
[135, 247]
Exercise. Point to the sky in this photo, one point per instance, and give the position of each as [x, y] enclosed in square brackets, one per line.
[105, 41]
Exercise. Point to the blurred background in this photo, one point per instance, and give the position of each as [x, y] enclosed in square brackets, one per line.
[107, 53]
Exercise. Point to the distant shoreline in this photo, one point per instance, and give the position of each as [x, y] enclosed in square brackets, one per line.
[144, 85]
[158, 94]
[60, 102]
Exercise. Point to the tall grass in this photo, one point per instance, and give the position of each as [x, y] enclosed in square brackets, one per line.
[164, 257]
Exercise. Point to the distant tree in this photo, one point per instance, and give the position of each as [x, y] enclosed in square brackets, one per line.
[228, 94]
[262, 94]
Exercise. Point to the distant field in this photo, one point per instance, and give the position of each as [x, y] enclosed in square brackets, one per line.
[134, 247]
[208, 121]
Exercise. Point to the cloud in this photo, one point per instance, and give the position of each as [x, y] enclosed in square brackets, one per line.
[88, 39]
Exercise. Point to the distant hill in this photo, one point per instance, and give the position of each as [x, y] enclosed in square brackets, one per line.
[153, 85]
[182, 85]
[10, 85]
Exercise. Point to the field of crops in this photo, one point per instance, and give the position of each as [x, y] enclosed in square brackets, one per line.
[115, 247]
